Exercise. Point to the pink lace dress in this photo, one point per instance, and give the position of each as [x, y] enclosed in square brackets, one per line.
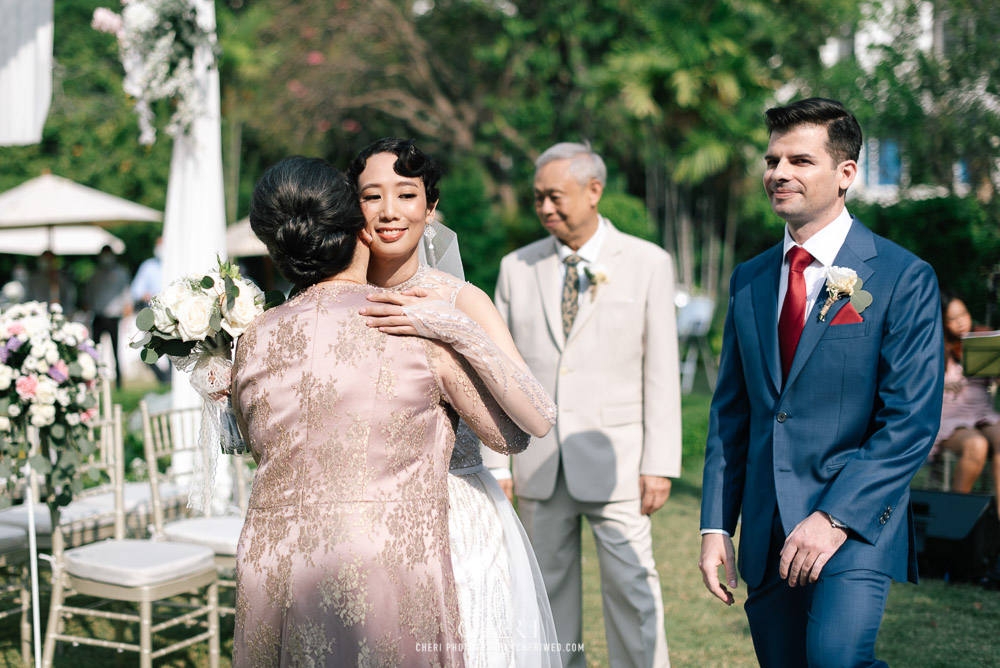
[344, 557]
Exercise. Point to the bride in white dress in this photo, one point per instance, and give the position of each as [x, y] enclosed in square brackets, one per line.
[503, 605]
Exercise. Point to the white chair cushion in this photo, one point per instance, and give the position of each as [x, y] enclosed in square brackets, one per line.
[12, 538]
[138, 496]
[221, 534]
[134, 563]
[94, 510]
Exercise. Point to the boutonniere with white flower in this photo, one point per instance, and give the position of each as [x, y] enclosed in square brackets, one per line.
[844, 282]
[597, 274]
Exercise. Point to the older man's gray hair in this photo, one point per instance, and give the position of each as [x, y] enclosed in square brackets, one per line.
[585, 165]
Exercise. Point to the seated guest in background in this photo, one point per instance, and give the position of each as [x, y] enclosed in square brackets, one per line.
[969, 425]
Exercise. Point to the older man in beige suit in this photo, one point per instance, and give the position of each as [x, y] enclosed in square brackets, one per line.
[592, 311]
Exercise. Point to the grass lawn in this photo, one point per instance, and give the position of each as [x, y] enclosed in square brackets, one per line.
[935, 624]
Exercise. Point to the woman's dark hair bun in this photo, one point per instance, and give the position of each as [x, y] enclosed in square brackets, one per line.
[308, 215]
[410, 161]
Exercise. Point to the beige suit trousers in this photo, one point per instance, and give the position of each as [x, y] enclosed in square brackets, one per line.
[630, 585]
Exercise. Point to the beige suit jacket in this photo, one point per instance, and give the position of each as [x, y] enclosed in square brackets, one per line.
[615, 380]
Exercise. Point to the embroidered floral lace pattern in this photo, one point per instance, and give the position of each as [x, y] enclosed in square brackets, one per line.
[344, 558]
[514, 387]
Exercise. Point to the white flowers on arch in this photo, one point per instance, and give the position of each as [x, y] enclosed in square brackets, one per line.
[157, 40]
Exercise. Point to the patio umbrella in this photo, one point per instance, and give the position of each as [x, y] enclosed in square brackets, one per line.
[61, 240]
[49, 200]
[242, 242]
[53, 200]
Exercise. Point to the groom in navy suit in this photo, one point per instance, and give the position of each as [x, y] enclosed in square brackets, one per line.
[828, 401]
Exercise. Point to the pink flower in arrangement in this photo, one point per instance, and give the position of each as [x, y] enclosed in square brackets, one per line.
[296, 88]
[351, 125]
[15, 329]
[88, 414]
[315, 58]
[59, 371]
[323, 125]
[107, 21]
[26, 386]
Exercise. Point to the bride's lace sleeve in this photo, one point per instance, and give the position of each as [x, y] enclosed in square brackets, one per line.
[513, 386]
[465, 391]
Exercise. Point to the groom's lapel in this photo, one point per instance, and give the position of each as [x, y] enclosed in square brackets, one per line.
[857, 249]
[548, 278]
[764, 294]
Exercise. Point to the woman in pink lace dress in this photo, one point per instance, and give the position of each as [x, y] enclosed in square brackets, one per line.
[344, 557]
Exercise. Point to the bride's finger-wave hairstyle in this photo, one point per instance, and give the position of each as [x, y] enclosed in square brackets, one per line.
[308, 215]
[410, 161]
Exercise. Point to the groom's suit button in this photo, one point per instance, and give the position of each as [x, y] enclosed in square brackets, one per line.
[781, 417]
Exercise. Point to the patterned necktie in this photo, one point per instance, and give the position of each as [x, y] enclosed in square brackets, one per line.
[570, 293]
[793, 311]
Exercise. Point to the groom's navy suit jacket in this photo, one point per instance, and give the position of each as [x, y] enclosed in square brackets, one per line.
[850, 426]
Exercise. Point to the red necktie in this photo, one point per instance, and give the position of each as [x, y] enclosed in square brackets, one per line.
[793, 311]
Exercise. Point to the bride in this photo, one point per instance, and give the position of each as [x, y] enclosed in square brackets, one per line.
[502, 601]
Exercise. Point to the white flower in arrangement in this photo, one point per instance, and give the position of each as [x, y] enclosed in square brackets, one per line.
[41, 415]
[14, 410]
[72, 419]
[247, 306]
[4, 424]
[194, 318]
[63, 397]
[6, 376]
[47, 391]
[88, 367]
[218, 287]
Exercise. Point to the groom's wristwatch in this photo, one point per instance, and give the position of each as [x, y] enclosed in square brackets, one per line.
[837, 524]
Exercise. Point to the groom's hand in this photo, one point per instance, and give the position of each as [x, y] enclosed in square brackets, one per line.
[717, 550]
[807, 549]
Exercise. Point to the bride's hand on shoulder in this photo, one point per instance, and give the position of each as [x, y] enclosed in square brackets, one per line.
[386, 312]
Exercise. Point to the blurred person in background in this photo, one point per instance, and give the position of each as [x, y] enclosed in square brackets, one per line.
[15, 290]
[970, 427]
[147, 283]
[109, 298]
[149, 278]
[50, 283]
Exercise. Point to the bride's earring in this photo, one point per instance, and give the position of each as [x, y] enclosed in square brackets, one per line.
[429, 234]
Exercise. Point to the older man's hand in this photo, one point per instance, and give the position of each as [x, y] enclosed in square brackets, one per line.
[653, 491]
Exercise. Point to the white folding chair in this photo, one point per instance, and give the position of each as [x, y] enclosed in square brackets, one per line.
[164, 438]
[144, 572]
[14, 590]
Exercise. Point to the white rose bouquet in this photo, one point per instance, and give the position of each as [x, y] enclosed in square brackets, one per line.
[49, 370]
[195, 321]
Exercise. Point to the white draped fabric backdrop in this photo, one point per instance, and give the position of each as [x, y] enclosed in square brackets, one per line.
[25, 70]
[194, 226]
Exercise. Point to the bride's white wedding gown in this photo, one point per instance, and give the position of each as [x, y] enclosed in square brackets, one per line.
[506, 619]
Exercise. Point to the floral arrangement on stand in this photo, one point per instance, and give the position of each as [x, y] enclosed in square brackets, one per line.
[157, 41]
[49, 369]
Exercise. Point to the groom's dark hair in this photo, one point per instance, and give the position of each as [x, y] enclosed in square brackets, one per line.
[843, 132]
[410, 161]
[308, 215]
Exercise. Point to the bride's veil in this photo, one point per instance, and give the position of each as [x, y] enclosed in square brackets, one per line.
[439, 249]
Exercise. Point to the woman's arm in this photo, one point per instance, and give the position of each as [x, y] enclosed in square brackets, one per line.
[465, 391]
[475, 330]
